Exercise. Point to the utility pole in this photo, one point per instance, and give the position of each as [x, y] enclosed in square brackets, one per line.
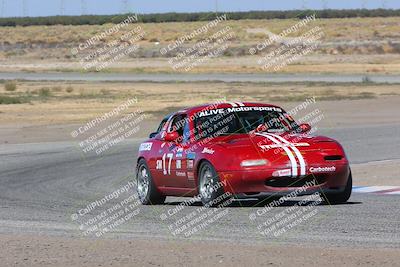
[24, 8]
[125, 6]
[216, 7]
[304, 5]
[364, 4]
[62, 8]
[3, 5]
[324, 4]
[384, 2]
[83, 7]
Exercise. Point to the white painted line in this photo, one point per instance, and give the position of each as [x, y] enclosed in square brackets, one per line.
[393, 193]
[372, 189]
[392, 190]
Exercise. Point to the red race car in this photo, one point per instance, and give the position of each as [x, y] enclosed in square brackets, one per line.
[242, 150]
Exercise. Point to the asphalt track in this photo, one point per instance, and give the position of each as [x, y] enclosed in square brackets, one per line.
[128, 77]
[43, 184]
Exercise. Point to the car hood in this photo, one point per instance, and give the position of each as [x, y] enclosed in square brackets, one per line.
[280, 149]
[270, 139]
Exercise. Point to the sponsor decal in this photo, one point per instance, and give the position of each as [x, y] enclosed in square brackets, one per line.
[179, 152]
[191, 155]
[207, 150]
[178, 164]
[190, 164]
[323, 169]
[159, 164]
[190, 176]
[280, 173]
[145, 146]
[236, 109]
[180, 174]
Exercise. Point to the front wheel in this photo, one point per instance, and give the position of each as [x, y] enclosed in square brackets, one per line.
[210, 188]
[146, 189]
[342, 197]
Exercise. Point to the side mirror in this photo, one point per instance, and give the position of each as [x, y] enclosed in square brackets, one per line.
[171, 136]
[305, 127]
[152, 135]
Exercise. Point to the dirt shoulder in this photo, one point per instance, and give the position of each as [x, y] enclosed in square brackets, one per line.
[33, 250]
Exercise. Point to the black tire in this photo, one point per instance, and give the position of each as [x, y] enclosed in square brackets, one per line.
[341, 197]
[210, 188]
[146, 189]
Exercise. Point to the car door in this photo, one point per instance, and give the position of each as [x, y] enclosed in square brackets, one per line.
[174, 158]
[157, 152]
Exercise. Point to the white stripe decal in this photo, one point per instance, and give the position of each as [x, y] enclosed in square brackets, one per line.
[240, 104]
[296, 151]
[292, 159]
[232, 104]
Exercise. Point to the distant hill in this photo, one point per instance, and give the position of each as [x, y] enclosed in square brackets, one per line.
[200, 16]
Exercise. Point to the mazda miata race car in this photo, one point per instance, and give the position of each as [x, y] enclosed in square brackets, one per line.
[241, 150]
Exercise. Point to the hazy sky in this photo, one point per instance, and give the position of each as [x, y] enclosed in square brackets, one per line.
[76, 7]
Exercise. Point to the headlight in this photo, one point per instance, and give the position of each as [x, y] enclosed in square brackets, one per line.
[254, 162]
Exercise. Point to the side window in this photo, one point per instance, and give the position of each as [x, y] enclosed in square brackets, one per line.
[180, 124]
[161, 125]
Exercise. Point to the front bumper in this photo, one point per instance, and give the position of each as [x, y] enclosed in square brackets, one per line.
[258, 183]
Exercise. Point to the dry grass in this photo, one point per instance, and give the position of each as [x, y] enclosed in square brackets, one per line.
[87, 100]
[354, 45]
[343, 29]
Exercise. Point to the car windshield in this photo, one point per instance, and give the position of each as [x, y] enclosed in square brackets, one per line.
[241, 120]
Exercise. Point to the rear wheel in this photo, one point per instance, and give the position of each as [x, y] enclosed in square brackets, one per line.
[341, 197]
[146, 189]
[210, 188]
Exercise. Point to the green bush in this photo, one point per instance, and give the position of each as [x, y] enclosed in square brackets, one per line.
[10, 100]
[10, 86]
[44, 92]
[57, 88]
